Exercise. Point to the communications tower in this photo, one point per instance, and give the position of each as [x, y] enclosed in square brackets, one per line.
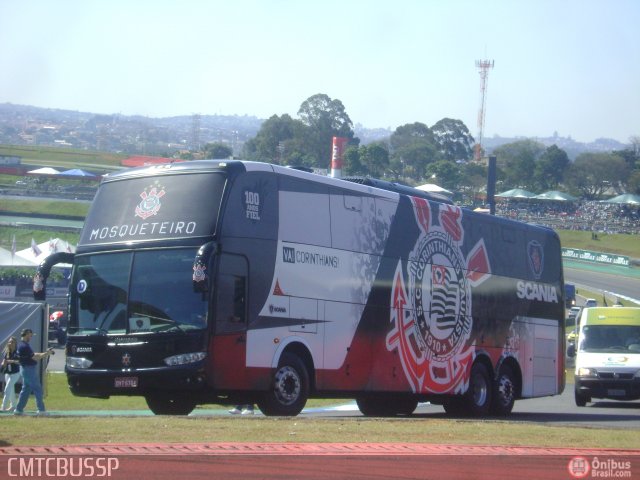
[195, 132]
[483, 66]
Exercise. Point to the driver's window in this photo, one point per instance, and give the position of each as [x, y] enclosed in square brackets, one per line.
[231, 294]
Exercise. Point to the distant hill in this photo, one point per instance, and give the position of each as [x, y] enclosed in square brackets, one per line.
[28, 125]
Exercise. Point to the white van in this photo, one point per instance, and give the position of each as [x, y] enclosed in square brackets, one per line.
[608, 354]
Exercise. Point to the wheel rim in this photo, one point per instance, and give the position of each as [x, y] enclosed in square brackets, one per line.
[287, 385]
[480, 390]
[505, 390]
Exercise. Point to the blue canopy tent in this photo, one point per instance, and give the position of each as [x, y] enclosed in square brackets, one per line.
[76, 172]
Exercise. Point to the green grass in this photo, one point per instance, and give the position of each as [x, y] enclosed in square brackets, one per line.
[97, 429]
[68, 157]
[621, 244]
[46, 206]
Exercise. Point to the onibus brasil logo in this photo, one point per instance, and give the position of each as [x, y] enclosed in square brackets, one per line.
[150, 203]
[432, 314]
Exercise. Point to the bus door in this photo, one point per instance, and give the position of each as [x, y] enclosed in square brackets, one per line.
[228, 346]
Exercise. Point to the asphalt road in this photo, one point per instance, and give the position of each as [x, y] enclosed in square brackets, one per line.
[609, 279]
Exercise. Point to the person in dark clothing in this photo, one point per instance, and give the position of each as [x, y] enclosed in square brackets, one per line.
[28, 368]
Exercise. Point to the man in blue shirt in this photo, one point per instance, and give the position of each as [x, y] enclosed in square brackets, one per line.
[28, 368]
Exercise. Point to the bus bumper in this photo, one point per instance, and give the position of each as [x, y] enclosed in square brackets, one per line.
[105, 383]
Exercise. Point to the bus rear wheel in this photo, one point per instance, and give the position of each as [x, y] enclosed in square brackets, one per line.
[504, 392]
[167, 404]
[289, 389]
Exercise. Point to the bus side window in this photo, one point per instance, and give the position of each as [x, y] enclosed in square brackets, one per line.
[231, 295]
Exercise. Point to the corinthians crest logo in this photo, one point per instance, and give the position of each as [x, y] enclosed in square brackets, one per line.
[432, 314]
[150, 203]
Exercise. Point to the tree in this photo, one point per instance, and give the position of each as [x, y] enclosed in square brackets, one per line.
[351, 162]
[414, 147]
[269, 145]
[374, 158]
[217, 150]
[325, 119]
[550, 168]
[453, 139]
[517, 161]
[445, 173]
[593, 173]
[473, 179]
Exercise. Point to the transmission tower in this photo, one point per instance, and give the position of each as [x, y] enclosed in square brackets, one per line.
[483, 66]
[195, 132]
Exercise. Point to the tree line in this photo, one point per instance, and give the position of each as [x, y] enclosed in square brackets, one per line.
[416, 153]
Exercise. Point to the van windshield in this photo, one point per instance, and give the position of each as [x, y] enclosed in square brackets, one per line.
[610, 338]
[160, 297]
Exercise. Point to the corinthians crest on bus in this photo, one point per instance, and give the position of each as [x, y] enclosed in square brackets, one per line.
[431, 312]
[150, 203]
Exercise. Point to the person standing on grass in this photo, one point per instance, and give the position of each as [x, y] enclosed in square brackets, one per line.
[28, 368]
[11, 371]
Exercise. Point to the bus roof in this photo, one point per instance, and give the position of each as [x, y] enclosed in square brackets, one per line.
[359, 184]
[611, 316]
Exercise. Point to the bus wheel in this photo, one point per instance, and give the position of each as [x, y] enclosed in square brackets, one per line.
[289, 389]
[581, 400]
[166, 404]
[376, 407]
[454, 407]
[478, 397]
[504, 392]
[406, 406]
[386, 407]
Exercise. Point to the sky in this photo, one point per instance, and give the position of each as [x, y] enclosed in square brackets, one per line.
[560, 66]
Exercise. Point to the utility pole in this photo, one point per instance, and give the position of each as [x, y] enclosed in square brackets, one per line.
[484, 66]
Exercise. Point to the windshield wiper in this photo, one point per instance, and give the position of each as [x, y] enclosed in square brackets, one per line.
[100, 330]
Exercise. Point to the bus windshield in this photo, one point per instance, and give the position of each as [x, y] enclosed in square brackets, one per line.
[160, 299]
[610, 338]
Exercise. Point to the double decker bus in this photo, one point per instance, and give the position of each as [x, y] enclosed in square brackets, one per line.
[239, 282]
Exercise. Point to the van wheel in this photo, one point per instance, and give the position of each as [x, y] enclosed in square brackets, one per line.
[289, 388]
[504, 392]
[478, 397]
[581, 400]
[167, 404]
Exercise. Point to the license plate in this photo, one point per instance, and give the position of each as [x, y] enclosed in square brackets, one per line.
[126, 382]
[616, 392]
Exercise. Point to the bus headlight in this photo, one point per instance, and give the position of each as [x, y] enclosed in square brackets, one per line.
[185, 358]
[78, 362]
[587, 372]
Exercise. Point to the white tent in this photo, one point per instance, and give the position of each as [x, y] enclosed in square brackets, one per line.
[38, 252]
[433, 188]
[8, 260]
[44, 171]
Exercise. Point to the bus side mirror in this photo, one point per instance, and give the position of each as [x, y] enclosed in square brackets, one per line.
[202, 278]
[571, 350]
[43, 271]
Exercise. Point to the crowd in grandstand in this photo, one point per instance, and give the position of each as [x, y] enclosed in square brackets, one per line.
[585, 215]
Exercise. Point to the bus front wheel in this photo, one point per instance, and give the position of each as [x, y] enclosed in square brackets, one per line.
[167, 404]
[289, 389]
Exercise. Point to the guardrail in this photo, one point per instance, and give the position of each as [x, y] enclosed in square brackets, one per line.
[596, 257]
